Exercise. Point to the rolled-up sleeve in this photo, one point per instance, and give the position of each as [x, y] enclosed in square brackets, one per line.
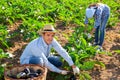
[62, 52]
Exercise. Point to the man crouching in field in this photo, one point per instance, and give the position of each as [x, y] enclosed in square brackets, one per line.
[38, 52]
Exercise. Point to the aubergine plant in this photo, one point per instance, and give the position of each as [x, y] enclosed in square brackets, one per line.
[3, 37]
[2, 55]
[82, 52]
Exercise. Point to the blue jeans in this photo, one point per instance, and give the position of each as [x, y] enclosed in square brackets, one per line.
[55, 60]
[100, 31]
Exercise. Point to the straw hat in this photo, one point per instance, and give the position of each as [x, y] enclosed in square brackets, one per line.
[47, 28]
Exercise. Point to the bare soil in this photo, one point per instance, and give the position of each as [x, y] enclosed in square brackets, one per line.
[112, 63]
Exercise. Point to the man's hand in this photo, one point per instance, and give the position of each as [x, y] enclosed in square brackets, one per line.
[89, 35]
[64, 72]
[75, 69]
[86, 25]
[93, 30]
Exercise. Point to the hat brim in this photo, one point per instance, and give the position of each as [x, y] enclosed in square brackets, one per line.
[41, 32]
[48, 31]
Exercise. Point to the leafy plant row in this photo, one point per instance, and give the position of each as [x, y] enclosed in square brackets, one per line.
[34, 14]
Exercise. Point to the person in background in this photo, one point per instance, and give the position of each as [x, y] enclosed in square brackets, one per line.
[38, 52]
[101, 13]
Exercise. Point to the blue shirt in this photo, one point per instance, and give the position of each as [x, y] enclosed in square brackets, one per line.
[100, 12]
[39, 48]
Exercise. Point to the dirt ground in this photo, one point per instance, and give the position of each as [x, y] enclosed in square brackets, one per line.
[112, 63]
[111, 43]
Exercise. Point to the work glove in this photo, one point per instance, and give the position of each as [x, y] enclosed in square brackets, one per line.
[64, 72]
[89, 35]
[76, 70]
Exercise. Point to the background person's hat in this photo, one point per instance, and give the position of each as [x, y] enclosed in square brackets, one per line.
[90, 12]
[47, 28]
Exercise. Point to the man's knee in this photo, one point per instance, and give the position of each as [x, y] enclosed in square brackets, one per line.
[55, 60]
[36, 60]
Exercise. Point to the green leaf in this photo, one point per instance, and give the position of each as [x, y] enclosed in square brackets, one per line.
[87, 76]
[100, 63]
[117, 51]
[88, 65]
